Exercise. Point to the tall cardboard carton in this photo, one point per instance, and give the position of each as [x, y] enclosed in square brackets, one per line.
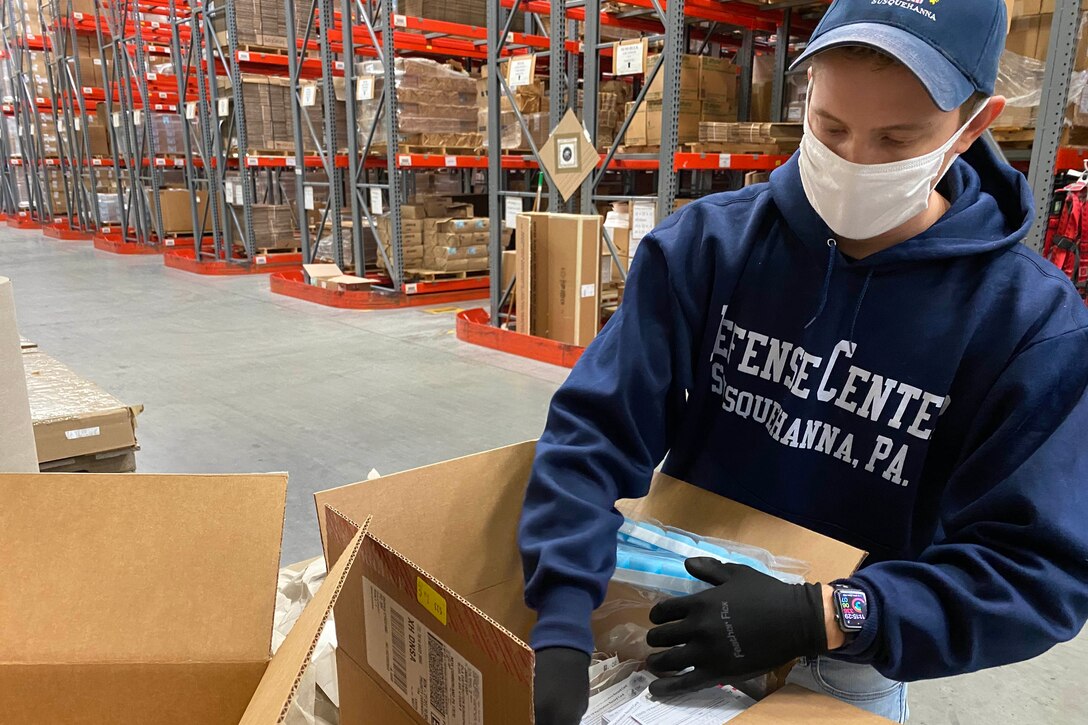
[559, 276]
[441, 550]
[148, 599]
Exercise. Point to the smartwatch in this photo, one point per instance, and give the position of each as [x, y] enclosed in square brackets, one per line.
[851, 608]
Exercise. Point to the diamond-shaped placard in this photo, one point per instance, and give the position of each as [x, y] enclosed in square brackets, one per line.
[568, 156]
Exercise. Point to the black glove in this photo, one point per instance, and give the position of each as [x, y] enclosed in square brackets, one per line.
[561, 686]
[746, 626]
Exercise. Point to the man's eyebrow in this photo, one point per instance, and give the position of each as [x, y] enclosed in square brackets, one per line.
[920, 126]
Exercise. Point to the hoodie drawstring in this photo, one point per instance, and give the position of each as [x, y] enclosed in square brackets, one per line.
[857, 307]
[831, 245]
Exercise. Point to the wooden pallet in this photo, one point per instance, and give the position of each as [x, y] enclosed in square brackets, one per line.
[740, 148]
[266, 49]
[432, 275]
[284, 153]
[120, 461]
[278, 250]
[1014, 136]
[430, 150]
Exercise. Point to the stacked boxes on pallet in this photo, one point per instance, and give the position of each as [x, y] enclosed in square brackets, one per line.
[273, 226]
[259, 22]
[787, 136]
[533, 103]
[708, 92]
[314, 108]
[439, 235]
[267, 101]
[436, 103]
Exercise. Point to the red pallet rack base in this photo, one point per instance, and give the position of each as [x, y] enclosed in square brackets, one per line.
[185, 260]
[114, 244]
[22, 221]
[63, 230]
[474, 326]
[293, 284]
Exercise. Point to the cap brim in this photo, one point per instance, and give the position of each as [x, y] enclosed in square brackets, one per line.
[947, 85]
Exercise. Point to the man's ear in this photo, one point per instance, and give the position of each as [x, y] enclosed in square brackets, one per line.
[989, 113]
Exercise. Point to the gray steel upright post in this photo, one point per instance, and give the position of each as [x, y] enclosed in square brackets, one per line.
[335, 206]
[294, 54]
[557, 78]
[243, 138]
[181, 75]
[208, 118]
[1050, 124]
[389, 65]
[781, 63]
[590, 78]
[354, 162]
[746, 59]
[495, 22]
[670, 107]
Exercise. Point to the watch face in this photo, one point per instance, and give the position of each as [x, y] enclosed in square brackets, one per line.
[854, 608]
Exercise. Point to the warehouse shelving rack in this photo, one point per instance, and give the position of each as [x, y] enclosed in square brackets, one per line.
[73, 95]
[223, 148]
[360, 30]
[19, 43]
[692, 26]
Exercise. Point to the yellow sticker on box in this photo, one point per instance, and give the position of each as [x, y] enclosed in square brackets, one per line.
[431, 600]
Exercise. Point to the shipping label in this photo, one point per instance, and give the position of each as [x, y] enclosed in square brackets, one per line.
[439, 684]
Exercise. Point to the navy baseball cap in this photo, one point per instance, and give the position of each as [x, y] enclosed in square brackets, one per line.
[953, 46]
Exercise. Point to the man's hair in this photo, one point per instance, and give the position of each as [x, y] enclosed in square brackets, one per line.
[881, 60]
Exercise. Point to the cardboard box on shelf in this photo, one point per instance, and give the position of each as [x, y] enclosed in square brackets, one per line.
[73, 416]
[319, 274]
[424, 557]
[349, 283]
[182, 571]
[559, 276]
[636, 130]
[687, 121]
[176, 208]
[689, 77]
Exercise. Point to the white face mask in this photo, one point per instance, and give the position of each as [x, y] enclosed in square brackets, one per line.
[862, 201]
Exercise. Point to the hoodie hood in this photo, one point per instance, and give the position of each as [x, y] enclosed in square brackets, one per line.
[991, 209]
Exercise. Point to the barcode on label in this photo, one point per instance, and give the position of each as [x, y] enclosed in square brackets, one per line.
[436, 668]
[400, 651]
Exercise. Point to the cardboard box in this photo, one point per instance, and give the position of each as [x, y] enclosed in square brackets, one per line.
[636, 130]
[413, 211]
[717, 78]
[445, 556]
[162, 614]
[348, 283]
[319, 274]
[175, 205]
[689, 77]
[559, 276]
[73, 416]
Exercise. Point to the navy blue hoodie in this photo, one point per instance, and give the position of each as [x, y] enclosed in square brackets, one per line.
[926, 404]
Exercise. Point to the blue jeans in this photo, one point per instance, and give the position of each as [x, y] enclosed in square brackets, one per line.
[858, 685]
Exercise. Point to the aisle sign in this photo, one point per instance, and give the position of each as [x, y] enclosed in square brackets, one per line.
[116, 119]
[643, 218]
[629, 57]
[309, 94]
[521, 70]
[375, 201]
[228, 192]
[190, 110]
[364, 89]
[224, 106]
[513, 208]
[308, 198]
[137, 117]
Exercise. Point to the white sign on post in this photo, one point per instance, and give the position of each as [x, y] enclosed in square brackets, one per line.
[308, 198]
[224, 106]
[513, 208]
[309, 95]
[627, 59]
[190, 110]
[375, 201]
[228, 192]
[137, 117]
[521, 70]
[116, 117]
[643, 218]
[364, 89]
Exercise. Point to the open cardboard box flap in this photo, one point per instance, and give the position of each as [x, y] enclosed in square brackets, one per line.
[147, 598]
[452, 526]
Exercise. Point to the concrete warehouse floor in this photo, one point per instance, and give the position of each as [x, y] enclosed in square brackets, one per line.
[236, 379]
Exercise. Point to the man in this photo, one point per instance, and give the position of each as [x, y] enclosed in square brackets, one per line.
[862, 347]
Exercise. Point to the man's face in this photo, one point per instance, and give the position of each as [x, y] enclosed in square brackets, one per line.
[871, 114]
